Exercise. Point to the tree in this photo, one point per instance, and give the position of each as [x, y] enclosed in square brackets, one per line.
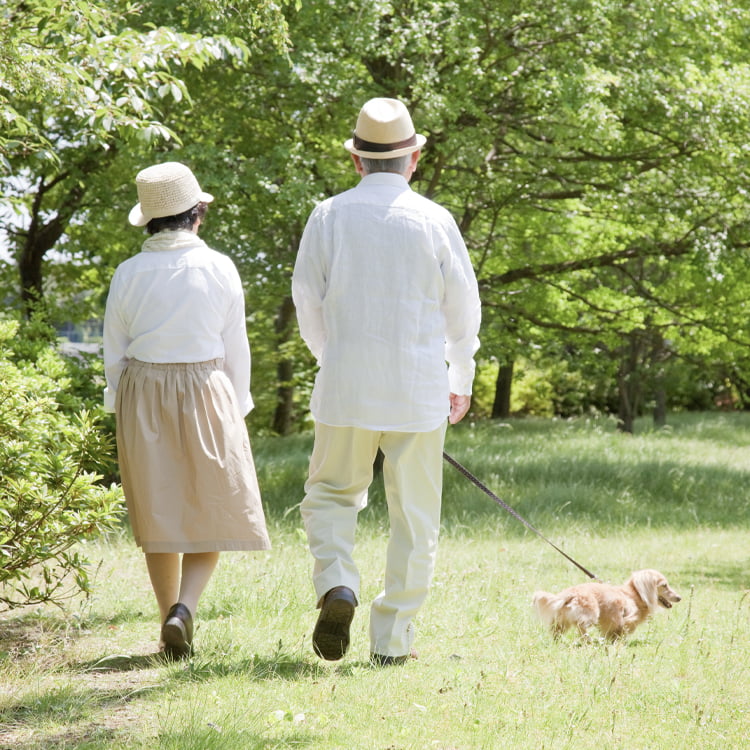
[592, 152]
[594, 173]
[84, 96]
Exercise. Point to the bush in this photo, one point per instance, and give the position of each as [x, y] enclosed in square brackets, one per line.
[50, 498]
[533, 392]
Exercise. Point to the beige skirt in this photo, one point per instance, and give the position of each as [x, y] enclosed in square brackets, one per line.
[185, 461]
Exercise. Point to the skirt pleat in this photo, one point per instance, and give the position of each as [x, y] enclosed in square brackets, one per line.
[185, 461]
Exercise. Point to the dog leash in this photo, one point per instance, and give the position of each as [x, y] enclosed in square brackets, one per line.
[474, 480]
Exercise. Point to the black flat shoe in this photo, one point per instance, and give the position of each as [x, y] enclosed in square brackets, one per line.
[331, 634]
[177, 632]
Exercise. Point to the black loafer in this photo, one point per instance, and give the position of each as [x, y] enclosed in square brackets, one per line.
[331, 634]
[177, 632]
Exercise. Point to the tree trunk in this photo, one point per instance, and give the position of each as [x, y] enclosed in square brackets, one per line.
[629, 385]
[42, 236]
[282, 417]
[625, 415]
[501, 404]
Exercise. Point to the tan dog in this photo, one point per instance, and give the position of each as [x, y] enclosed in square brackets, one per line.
[616, 610]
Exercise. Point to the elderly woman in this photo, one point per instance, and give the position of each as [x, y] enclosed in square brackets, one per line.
[177, 364]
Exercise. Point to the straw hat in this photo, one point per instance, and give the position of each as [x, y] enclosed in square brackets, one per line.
[165, 189]
[384, 130]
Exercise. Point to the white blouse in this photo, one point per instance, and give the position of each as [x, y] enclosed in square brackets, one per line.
[177, 301]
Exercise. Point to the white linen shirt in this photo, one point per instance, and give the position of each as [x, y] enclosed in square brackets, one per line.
[385, 296]
[177, 301]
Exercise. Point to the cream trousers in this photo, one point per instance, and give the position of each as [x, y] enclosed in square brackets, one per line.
[336, 490]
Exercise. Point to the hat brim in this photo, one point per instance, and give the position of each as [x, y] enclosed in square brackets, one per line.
[421, 140]
[138, 219]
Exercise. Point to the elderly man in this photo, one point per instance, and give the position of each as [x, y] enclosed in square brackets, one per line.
[385, 296]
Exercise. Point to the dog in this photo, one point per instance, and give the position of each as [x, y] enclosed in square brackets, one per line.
[615, 610]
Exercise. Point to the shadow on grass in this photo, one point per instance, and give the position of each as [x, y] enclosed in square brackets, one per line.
[261, 669]
[224, 737]
[733, 576]
[600, 493]
[122, 663]
[80, 736]
[559, 473]
[93, 703]
[74, 705]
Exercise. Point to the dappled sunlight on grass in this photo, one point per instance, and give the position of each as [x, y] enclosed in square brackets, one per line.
[488, 674]
[568, 474]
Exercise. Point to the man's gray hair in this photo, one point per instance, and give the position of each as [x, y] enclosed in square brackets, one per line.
[399, 164]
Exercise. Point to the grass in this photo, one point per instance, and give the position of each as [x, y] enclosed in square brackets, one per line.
[488, 675]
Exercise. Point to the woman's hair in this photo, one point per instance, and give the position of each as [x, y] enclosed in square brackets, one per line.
[185, 220]
[398, 164]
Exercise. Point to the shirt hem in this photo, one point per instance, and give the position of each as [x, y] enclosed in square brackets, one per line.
[413, 427]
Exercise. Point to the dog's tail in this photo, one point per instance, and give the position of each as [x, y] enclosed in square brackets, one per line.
[547, 606]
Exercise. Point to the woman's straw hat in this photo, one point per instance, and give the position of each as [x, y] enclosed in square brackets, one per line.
[165, 189]
[384, 131]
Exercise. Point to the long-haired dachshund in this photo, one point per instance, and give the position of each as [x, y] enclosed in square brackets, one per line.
[615, 610]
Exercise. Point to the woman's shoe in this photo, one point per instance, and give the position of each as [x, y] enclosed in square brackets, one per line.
[177, 632]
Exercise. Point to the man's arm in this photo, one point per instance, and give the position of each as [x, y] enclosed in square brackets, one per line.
[462, 309]
[308, 288]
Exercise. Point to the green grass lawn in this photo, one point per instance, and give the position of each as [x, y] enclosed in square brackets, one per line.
[488, 676]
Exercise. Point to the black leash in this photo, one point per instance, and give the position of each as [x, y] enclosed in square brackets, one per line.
[452, 461]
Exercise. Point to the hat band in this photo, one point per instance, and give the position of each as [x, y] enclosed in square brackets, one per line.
[362, 145]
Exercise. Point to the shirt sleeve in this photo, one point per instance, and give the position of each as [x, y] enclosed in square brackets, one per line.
[308, 286]
[463, 313]
[115, 344]
[236, 346]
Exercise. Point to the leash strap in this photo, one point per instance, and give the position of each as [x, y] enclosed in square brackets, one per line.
[452, 461]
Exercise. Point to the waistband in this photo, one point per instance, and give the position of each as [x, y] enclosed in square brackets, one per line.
[209, 364]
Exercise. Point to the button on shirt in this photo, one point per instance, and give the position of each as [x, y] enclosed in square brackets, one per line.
[385, 296]
[177, 301]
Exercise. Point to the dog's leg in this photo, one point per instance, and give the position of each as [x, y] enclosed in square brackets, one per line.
[614, 634]
[583, 632]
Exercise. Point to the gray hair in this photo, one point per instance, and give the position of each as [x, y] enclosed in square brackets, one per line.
[398, 164]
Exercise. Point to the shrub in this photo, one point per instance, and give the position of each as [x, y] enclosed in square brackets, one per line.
[50, 499]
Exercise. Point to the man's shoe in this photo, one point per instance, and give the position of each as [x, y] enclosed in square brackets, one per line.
[177, 632]
[331, 634]
[379, 660]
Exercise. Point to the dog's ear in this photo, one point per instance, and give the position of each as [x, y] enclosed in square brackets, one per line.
[645, 583]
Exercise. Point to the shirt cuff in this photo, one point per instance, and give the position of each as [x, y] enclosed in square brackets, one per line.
[109, 400]
[461, 378]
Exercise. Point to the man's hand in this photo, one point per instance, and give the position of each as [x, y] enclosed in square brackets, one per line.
[459, 406]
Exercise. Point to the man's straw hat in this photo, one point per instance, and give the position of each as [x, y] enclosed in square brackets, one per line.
[165, 189]
[384, 131]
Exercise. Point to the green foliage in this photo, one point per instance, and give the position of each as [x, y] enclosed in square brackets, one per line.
[49, 498]
[101, 73]
[594, 154]
[88, 97]
[532, 392]
[483, 391]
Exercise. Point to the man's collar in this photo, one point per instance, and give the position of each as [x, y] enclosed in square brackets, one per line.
[385, 178]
